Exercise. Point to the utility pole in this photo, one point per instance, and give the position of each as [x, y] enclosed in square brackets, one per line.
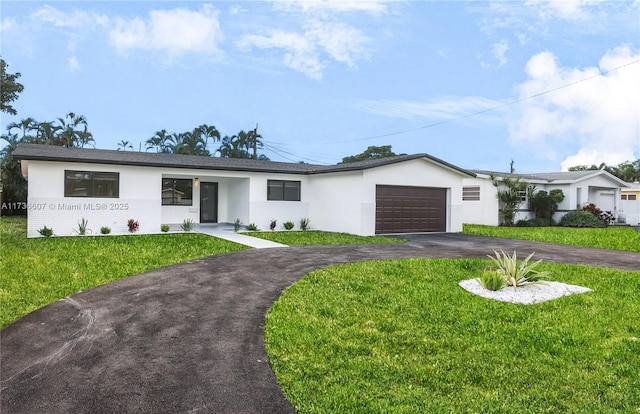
[255, 142]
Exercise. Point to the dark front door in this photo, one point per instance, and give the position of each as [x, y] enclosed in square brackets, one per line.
[208, 202]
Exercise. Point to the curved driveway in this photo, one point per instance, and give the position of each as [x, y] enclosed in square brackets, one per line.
[189, 338]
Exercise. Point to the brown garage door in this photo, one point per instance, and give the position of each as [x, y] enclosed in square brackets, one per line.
[410, 209]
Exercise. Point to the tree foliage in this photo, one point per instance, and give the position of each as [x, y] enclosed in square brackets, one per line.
[628, 171]
[70, 131]
[193, 142]
[9, 88]
[371, 153]
[544, 204]
[510, 195]
[242, 145]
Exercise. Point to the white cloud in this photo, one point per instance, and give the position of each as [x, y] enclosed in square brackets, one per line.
[59, 18]
[300, 54]
[564, 9]
[307, 52]
[7, 25]
[370, 6]
[500, 52]
[174, 32]
[595, 119]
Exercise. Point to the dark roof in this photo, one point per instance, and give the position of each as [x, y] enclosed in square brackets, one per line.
[99, 156]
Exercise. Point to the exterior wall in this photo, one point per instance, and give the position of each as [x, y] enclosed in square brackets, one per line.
[343, 201]
[420, 173]
[629, 210]
[139, 199]
[486, 210]
[338, 203]
[346, 201]
[262, 211]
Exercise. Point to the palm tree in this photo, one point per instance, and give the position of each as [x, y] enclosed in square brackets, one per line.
[26, 126]
[70, 135]
[206, 133]
[124, 145]
[47, 133]
[158, 141]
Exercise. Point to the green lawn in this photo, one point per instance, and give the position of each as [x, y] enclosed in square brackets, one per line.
[402, 337]
[614, 237]
[302, 238]
[39, 271]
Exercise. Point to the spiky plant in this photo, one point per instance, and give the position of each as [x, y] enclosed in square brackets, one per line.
[492, 280]
[517, 273]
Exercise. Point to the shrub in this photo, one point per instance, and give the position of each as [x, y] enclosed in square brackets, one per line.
[236, 224]
[544, 204]
[288, 225]
[46, 231]
[536, 222]
[605, 216]
[252, 227]
[581, 218]
[492, 280]
[517, 273]
[82, 227]
[105, 230]
[304, 223]
[187, 225]
[133, 225]
[165, 228]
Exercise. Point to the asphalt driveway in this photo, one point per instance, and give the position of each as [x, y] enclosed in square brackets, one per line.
[189, 338]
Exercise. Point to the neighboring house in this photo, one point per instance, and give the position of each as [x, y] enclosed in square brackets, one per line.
[630, 204]
[412, 193]
[480, 204]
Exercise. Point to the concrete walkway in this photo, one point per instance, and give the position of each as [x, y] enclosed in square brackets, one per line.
[226, 232]
[189, 338]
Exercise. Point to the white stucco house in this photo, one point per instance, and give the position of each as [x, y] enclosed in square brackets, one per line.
[630, 204]
[412, 193]
[480, 203]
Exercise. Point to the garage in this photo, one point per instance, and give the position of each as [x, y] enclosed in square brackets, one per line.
[401, 209]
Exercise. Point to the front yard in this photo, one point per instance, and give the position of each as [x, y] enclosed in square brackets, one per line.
[402, 337]
[392, 336]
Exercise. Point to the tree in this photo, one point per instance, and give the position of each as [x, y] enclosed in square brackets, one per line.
[628, 171]
[73, 132]
[158, 141]
[9, 88]
[510, 195]
[241, 146]
[25, 127]
[371, 153]
[124, 145]
[14, 186]
[544, 204]
[47, 133]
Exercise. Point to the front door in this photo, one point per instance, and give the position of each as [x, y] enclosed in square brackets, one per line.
[208, 202]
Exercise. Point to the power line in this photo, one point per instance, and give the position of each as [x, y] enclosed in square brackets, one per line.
[517, 101]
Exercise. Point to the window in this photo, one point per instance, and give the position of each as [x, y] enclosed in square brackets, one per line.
[471, 193]
[629, 197]
[91, 184]
[177, 192]
[283, 190]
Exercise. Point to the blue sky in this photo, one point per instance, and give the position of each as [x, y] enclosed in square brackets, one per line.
[549, 84]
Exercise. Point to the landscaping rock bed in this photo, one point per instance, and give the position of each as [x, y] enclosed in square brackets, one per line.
[524, 295]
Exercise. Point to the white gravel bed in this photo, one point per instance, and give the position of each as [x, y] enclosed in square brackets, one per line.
[524, 295]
